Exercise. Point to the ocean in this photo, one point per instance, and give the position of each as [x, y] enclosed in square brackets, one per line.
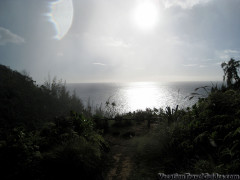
[140, 95]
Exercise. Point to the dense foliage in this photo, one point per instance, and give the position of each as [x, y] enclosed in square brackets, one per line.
[24, 103]
[40, 138]
[201, 139]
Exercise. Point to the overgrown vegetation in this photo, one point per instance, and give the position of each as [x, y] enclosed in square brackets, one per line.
[200, 139]
[46, 133]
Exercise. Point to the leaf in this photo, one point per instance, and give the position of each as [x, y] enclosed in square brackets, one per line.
[195, 94]
[236, 132]
[191, 97]
[196, 89]
[235, 146]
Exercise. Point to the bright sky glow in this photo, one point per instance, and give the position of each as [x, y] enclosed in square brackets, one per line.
[120, 40]
[61, 16]
[146, 15]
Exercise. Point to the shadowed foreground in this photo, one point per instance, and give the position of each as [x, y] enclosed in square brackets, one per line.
[46, 133]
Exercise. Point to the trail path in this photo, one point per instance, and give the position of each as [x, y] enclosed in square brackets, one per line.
[122, 151]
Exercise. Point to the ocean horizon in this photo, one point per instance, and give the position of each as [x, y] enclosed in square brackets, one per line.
[133, 96]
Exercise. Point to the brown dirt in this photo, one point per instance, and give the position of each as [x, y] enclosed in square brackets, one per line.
[122, 151]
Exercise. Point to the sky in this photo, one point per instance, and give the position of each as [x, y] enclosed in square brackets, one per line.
[119, 40]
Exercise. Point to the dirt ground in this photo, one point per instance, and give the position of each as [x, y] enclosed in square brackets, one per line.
[122, 152]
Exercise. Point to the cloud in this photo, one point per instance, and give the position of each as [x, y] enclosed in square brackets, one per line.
[231, 51]
[189, 65]
[185, 4]
[7, 36]
[60, 54]
[202, 66]
[227, 54]
[218, 63]
[110, 41]
[175, 40]
[195, 65]
[99, 64]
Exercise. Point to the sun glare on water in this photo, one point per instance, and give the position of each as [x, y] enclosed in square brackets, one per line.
[146, 15]
[144, 94]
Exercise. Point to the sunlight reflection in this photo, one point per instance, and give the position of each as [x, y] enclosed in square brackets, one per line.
[143, 95]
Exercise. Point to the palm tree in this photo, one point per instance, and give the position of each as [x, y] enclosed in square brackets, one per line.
[230, 69]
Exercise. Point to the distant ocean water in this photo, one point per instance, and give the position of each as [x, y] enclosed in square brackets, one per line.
[139, 95]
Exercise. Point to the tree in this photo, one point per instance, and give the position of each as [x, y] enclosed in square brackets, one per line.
[230, 69]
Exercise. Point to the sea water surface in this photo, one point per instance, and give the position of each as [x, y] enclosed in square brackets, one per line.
[139, 95]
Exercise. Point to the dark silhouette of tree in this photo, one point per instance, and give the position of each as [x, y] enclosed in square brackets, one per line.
[230, 69]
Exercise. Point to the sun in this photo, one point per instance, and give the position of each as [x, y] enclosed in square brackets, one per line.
[146, 15]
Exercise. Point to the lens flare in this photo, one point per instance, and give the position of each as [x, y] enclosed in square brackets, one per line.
[61, 16]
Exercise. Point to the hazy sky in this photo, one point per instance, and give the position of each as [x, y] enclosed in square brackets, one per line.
[119, 40]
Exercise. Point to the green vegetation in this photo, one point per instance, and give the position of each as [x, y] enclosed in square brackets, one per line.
[46, 133]
[201, 139]
[231, 72]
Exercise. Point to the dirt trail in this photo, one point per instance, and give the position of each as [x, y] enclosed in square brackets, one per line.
[122, 151]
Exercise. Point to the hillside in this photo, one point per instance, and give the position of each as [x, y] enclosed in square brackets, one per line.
[23, 102]
[44, 132]
[47, 133]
